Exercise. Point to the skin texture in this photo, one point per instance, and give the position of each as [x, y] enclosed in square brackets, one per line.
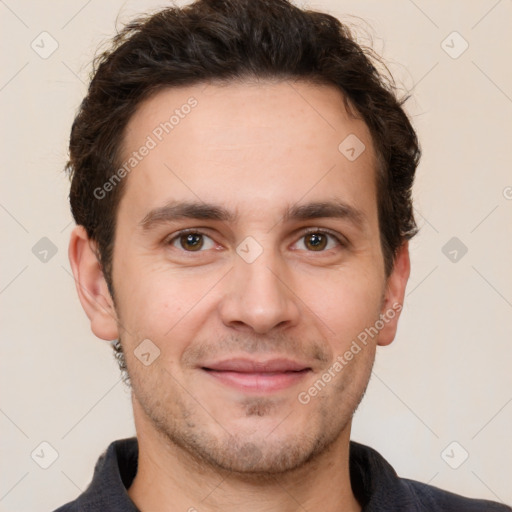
[254, 149]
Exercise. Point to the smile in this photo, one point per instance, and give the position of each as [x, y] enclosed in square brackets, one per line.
[257, 376]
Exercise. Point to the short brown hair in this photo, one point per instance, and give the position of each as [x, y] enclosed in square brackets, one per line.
[231, 40]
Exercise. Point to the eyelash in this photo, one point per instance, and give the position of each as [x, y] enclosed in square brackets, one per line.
[341, 241]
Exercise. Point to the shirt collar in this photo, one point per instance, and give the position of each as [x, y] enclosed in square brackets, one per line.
[374, 482]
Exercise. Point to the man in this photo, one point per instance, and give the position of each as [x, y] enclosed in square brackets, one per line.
[241, 183]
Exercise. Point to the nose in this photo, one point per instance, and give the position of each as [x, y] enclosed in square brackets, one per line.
[258, 296]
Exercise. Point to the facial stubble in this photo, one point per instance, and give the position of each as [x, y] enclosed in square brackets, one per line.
[189, 429]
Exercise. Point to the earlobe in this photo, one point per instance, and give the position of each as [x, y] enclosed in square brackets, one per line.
[394, 295]
[91, 285]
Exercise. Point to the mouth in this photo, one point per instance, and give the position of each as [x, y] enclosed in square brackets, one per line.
[249, 375]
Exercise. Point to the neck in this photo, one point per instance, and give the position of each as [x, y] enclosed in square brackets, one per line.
[170, 479]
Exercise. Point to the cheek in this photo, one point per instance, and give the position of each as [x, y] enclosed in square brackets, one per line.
[347, 303]
[158, 309]
[158, 303]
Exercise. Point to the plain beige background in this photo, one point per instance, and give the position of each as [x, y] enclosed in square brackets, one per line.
[446, 378]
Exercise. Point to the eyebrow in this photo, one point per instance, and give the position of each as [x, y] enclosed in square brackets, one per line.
[176, 210]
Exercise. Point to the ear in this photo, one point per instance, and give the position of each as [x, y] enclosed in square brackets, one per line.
[394, 295]
[91, 285]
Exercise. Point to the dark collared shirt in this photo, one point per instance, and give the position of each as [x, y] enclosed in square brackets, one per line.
[374, 483]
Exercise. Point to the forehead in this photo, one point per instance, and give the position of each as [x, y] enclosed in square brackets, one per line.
[253, 145]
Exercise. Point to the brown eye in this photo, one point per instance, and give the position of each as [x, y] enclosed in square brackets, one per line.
[191, 241]
[316, 241]
[320, 240]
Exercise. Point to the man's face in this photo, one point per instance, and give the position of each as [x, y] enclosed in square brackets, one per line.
[248, 311]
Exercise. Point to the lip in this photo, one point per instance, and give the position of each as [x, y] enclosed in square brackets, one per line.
[263, 376]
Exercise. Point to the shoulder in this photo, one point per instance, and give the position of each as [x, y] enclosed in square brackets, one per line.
[69, 507]
[378, 487]
[113, 474]
[435, 499]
